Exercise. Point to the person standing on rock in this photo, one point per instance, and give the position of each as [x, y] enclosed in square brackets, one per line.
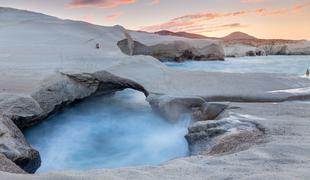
[307, 73]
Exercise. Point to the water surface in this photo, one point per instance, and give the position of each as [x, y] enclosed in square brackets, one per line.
[108, 132]
[265, 64]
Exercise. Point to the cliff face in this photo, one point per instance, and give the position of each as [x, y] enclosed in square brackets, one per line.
[238, 44]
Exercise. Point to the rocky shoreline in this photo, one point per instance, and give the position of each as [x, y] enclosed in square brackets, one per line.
[247, 125]
[64, 89]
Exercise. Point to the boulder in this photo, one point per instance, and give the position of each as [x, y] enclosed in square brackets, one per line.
[225, 135]
[209, 111]
[213, 51]
[14, 146]
[130, 44]
[173, 108]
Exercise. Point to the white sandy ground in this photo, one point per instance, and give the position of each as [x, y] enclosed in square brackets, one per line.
[34, 47]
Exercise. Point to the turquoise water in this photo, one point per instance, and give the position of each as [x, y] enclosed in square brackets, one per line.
[107, 132]
[266, 64]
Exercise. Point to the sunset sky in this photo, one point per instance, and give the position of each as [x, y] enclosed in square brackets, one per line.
[289, 19]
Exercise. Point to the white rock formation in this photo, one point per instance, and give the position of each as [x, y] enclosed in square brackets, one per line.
[300, 48]
[239, 50]
[34, 48]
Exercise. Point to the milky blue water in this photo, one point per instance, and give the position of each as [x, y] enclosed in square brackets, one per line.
[107, 132]
[122, 130]
[266, 64]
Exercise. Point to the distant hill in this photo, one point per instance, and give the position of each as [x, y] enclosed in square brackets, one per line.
[181, 34]
[230, 37]
[238, 36]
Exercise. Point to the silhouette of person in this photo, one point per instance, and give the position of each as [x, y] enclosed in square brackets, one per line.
[307, 73]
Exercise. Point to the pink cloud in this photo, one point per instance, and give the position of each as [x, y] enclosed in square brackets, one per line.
[155, 2]
[253, 1]
[98, 3]
[194, 22]
[114, 16]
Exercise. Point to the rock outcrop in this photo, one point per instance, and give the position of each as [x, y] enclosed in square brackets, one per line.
[287, 123]
[14, 146]
[18, 112]
[224, 135]
[239, 50]
[7, 165]
[298, 48]
[209, 111]
[173, 108]
[174, 51]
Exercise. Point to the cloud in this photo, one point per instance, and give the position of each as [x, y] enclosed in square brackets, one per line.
[98, 3]
[294, 9]
[253, 1]
[206, 28]
[198, 21]
[155, 2]
[114, 16]
[191, 22]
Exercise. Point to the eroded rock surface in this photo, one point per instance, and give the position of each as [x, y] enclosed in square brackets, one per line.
[267, 47]
[298, 48]
[18, 112]
[21, 109]
[174, 51]
[287, 124]
[173, 108]
[239, 50]
[226, 135]
[209, 111]
[14, 146]
[7, 165]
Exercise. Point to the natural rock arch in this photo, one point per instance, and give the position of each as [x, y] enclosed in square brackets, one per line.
[61, 90]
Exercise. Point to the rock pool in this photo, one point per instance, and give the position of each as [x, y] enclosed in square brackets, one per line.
[107, 132]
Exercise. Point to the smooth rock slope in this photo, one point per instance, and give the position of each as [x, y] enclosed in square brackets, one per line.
[47, 63]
